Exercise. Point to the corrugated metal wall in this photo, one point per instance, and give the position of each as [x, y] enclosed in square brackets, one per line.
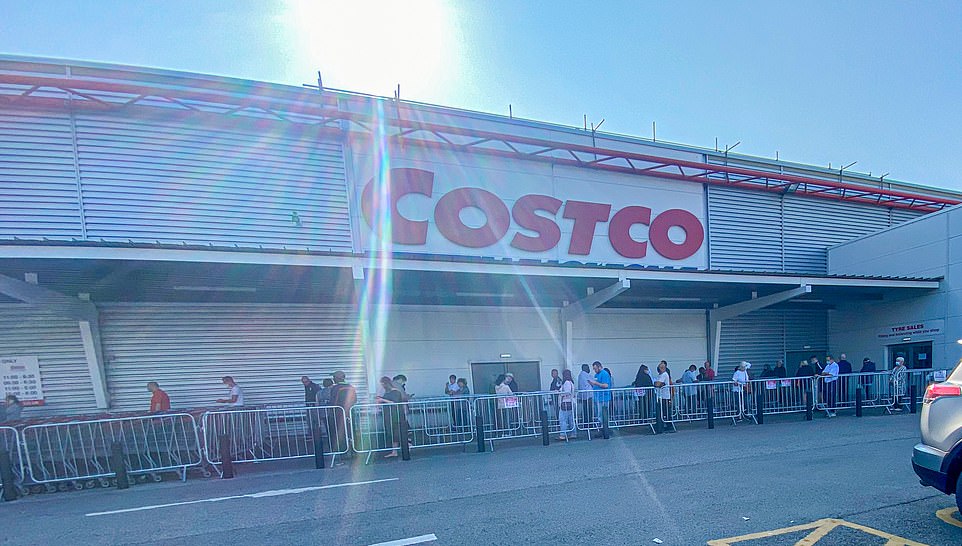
[29, 331]
[148, 180]
[187, 348]
[753, 231]
[38, 180]
[764, 336]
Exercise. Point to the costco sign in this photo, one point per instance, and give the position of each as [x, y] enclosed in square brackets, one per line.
[435, 210]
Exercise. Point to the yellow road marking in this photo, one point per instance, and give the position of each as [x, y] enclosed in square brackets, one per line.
[945, 515]
[820, 529]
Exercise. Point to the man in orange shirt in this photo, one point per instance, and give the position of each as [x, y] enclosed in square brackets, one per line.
[159, 401]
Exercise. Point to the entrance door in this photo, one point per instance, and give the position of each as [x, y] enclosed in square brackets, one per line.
[526, 372]
[917, 355]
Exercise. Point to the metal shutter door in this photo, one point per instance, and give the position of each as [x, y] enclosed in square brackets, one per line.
[813, 225]
[745, 230]
[154, 181]
[898, 216]
[187, 348]
[38, 178]
[27, 331]
[764, 336]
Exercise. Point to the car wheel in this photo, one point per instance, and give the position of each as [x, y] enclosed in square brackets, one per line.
[958, 492]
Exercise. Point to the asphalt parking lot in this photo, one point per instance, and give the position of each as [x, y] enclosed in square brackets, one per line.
[828, 482]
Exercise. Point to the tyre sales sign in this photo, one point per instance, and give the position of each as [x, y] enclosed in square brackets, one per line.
[21, 378]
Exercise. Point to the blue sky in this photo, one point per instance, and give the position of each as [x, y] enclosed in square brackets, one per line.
[819, 82]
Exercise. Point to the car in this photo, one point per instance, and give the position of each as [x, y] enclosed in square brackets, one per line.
[938, 458]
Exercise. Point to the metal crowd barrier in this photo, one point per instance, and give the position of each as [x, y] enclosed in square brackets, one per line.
[879, 389]
[420, 423]
[781, 395]
[627, 407]
[689, 401]
[79, 451]
[10, 442]
[259, 435]
[504, 416]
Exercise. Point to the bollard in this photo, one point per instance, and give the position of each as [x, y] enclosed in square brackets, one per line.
[318, 448]
[405, 445]
[858, 402]
[605, 430]
[545, 439]
[118, 466]
[479, 431]
[226, 462]
[6, 476]
[913, 403]
[760, 406]
[710, 408]
[809, 398]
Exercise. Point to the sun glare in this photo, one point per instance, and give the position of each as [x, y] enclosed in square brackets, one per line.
[372, 46]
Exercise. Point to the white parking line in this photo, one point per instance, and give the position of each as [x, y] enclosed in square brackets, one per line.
[406, 541]
[274, 493]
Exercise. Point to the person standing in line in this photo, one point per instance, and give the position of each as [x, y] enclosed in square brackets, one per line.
[464, 390]
[310, 391]
[566, 401]
[780, 371]
[784, 395]
[805, 373]
[829, 377]
[13, 408]
[709, 372]
[343, 395]
[867, 381]
[584, 394]
[845, 384]
[159, 401]
[323, 396]
[391, 415]
[689, 392]
[643, 392]
[601, 385]
[462, 411]
[452, 388]
[740, 388]
[401, 381]
[504, 392]
[556, 381]
[235, 396]
[662, 385]
[555, 387]
[897, 380]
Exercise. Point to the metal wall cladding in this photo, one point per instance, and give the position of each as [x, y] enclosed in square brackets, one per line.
[153, 181]
[38, 179]
[764, 336]
[26, 330]
[745, 230]
[754, 231]
[187, 348]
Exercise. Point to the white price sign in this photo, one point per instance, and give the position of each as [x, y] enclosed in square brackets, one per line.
[21, 378]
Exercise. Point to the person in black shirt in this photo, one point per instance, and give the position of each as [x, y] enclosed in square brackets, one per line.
[868, 381]
[805, 371]
[310, 391]
[391, 415]
[780, 370]
[646, 397]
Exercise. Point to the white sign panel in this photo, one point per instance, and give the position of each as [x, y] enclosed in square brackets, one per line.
[448, 203]
[926, 328]
[21, 378]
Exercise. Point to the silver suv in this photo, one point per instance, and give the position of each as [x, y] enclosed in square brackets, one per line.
[938, 459]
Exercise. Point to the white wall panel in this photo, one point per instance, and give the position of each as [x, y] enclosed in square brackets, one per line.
[187, 348]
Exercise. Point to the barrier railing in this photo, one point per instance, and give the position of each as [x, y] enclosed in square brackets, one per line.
[689, 401]
[420, 423]
[781, 395]
[505, 416]
[258, 435]
[10, 442]
[625, 406]
[80, 450]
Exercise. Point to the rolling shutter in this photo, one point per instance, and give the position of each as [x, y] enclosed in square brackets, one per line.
[187, 348]
[55, 341]
[764, 336]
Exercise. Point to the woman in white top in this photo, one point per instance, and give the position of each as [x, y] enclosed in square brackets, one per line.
[740, 386]
[502, 417]
[566, 400]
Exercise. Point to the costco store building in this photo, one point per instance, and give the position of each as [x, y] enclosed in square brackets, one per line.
[176, 227]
